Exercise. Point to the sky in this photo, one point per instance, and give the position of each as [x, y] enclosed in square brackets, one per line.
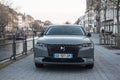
[57, 11]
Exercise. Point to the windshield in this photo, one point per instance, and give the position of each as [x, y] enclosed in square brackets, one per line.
[65, 30]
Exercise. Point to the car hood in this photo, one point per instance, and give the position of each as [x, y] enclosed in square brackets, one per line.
[64, 39]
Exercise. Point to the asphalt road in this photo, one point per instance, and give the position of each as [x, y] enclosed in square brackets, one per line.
[107, 67]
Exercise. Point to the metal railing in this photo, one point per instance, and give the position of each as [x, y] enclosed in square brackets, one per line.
[110, 40]
[110, 35]
[14, 48]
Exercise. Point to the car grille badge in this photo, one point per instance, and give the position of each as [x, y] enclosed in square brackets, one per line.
[62, 48]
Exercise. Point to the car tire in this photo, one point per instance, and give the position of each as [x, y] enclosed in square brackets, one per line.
[90, 66]
[38, 65]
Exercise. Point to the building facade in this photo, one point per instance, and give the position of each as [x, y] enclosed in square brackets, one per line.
[107, 17]
[88, 19]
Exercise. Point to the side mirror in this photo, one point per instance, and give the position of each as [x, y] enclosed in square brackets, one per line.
[89, 35]
[42, 33]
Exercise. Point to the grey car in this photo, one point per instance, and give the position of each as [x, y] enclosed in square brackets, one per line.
[66, 45]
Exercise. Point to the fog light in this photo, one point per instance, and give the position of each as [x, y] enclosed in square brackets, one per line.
[39, 59]
[88, 59]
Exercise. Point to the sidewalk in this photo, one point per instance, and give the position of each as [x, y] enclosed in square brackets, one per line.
[95, 38]
[3, 38]
[7, 62]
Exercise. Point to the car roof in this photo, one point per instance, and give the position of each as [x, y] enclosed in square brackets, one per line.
[65, 25]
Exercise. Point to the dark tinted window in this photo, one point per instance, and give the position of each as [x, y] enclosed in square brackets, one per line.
[65, 30]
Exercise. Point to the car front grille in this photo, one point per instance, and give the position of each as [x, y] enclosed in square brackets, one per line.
[68, 49]
[63, 60]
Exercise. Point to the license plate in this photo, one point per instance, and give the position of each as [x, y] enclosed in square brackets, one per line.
[63, 56]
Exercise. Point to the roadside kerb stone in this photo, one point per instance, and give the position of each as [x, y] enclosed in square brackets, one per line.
[7, 62]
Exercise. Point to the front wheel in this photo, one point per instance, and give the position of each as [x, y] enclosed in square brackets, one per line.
[38, 65]
[90, 66]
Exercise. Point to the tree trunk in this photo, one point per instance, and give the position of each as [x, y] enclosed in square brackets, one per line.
[98, 9]
[118, 23]
[105, 11]
[98, 22]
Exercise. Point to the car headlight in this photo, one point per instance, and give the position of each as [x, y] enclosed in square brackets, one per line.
[91, 45]
[40, 44]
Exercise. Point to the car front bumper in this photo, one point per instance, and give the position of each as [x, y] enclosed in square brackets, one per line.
[85, 61]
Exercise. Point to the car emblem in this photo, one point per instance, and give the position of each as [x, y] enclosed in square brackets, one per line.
[62, 48]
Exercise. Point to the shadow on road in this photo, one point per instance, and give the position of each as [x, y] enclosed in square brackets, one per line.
[64, 68]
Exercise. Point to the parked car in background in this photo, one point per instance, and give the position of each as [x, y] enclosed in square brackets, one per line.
[20, 36]
[64, 44]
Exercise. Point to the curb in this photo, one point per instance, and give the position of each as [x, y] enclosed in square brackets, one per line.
[3, 39]
[7, 62]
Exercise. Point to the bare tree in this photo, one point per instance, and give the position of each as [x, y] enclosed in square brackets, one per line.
[78, 21]
[36, 26]
[3, 18]
[47, 23]
[100, 5]
[97, 8]
[67, 22]
[117, 6]
[104, 8]
[7, 15]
